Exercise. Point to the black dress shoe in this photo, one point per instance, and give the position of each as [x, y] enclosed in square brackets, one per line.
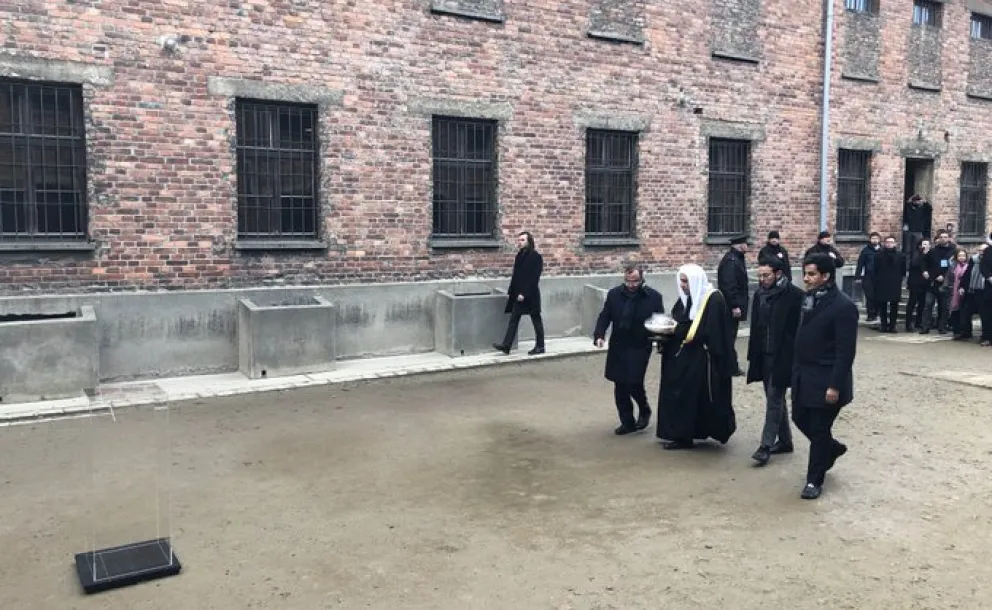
[536, 351]
[739, 373]
[781, 447]
[643, 421]
[621, 430]
[762, 455]
[811, 492]
[500, 347]
[839, 450]
[676, 445]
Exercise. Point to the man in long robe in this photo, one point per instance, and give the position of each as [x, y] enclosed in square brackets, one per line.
[697, 365]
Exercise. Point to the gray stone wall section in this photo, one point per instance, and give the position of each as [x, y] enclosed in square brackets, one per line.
[733, 131]
[858, 143]
[593, 299]
[618, 121]
[862, 46]
[49, 359]
[468, 322]
[498, 111]
[736, 26]
[34, 68]
[983, 7]
[486, 10]
[277, 92]
[980, 69]
[620, 20]
[924, 58]
[292, 339]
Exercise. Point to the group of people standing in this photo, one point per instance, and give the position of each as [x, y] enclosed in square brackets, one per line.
[803, 340]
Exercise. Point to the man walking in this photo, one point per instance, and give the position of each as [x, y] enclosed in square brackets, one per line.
[773, 249]
[937, 267]
[524, 294]
[823, 376]
[731, 279]
[774, 320]
[865, 272]
[627, 308]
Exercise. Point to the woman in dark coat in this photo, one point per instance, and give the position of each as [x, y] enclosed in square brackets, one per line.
[627, 308]
[918, 286]
[890, 265]
[524, 294]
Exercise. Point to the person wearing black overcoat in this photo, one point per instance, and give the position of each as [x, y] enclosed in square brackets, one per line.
[890, 269]
[771, 345]
[732, 281]
[918, 285]
[626, 309]
[823, 372]
[524, 294]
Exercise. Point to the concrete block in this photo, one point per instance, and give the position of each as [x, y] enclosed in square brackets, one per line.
[288, 337]
[48, 356]
[593, 299]
[469, 318]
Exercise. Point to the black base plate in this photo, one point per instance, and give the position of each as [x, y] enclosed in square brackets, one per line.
[126, 565]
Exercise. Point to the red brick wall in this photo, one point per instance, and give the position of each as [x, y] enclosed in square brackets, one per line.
[162, 205]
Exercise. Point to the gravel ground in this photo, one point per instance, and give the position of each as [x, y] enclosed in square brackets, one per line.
[506, 488]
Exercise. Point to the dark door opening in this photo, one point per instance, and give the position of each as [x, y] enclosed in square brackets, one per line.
[917, 219]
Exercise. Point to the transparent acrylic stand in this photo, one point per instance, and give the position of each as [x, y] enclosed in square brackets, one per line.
[130, 461]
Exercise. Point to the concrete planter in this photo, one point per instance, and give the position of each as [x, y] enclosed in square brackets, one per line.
[48, 356]
[593, 299]
[469, 319]
[289, 337]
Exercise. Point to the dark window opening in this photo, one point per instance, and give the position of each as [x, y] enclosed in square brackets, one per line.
[464, 168]
[728, 200]
[42, 162]
[981, 27]
[277, 171]
[611, 164]
[926, 12]
[974, 198]
[853, 191]
[861, 6]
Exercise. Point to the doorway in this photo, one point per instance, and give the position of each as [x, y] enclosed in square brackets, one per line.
[918, 181]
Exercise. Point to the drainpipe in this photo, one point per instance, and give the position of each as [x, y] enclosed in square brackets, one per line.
[828, 56]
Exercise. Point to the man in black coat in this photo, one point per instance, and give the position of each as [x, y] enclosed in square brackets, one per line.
[774, 320]
[938, 263]
[627, 308]
[917, 222]
[825, 245]
[864, 272]
[773, 249]
[731, 279]
[524, 294]
[823, 375]
[890, 269]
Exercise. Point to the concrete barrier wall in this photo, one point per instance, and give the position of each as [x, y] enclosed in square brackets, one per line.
[153, 334]
[289, 337]
[469, 320]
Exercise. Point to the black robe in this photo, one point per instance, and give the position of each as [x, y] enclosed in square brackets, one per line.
[696, 399]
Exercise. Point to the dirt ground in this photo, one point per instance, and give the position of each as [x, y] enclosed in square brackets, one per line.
[506, 488]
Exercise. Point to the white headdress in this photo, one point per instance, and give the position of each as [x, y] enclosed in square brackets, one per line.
[699, 285]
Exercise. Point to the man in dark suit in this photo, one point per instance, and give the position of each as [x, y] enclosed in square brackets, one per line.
[627, 308]
[731, 279]
[774, 320]
[823, 375]
[524, 294]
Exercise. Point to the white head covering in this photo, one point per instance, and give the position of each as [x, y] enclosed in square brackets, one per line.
[699, 285]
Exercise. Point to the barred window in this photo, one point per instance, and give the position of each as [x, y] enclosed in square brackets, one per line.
[277, 155]
[974, 198]
[728, 201]
[926, 12]
[853, 191]
[464, 168]
[611, 164]
[981, 27]
[42, 162]
[861, 6]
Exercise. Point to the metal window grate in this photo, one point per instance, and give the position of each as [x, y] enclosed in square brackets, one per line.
[853, 191]
[611, 164]
[981, 27]
[729, 186]
[277, 170]
[42, 162]
[464, 168]
[926, 12]
[974, 198]
[861, 6]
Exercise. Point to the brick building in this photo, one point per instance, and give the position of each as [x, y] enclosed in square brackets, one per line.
[175, 144]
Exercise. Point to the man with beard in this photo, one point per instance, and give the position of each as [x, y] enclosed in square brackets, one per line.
[524, 294]
[695, 400]
[823, 375]
[824, 245]
[774, 250]
[890, 269]
[937, 266]
[627, 308]
[865, 272]
[731, 279]
[774, 320]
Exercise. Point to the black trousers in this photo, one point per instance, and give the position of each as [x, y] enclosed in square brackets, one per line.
[511, 329]
[942, 299]
[871, 304]
[735, 325]
[914, 309]
[888, 311]
[625, 395]
[985, 312]
[817, 426]
[961, 320]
